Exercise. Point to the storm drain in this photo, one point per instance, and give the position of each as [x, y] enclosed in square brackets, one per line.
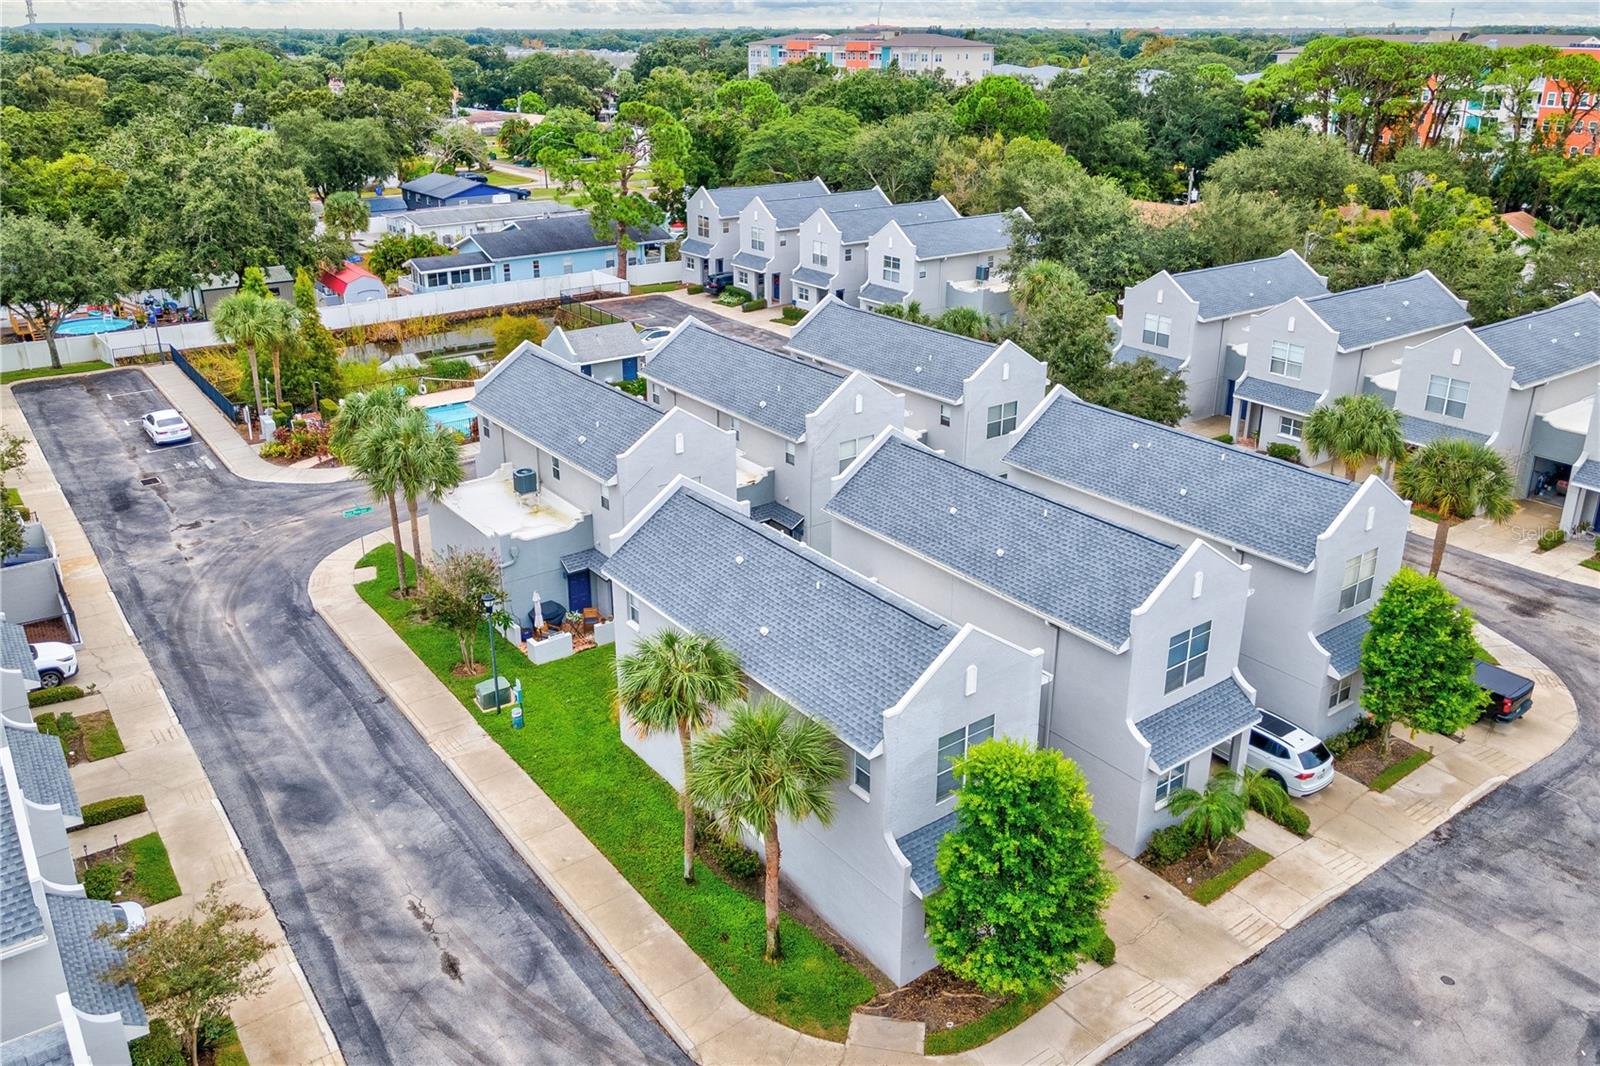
[149, 481]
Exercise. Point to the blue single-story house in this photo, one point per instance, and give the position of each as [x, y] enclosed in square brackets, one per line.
[450, 190]
[531, 248]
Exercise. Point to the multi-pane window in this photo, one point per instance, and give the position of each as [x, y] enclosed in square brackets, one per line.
[758, 238]
[788, 453]
[605, 494]
[891, 268]
[1339, 692]
[849, 254]
[744, 278]
[633, 610]
[726, 225]
[1359, 574]
[953, 746]
[702, 226]
[555, 469]
[1290, 427]
[849, 449]
[1288, 360]
[1002, 419]
[1186, 656]
[1157, 330]
[819, 254]
[1170, 782]
[944, 414]
[861, 775]
[733, 424]
[1447, 396]
[802, 295]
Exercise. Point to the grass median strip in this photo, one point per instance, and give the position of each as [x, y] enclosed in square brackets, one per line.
[572, 748]
[9, 376]
[1002, 1019]
[1392, 776]
[1211, 890]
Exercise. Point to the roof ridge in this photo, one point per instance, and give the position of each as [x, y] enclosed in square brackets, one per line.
[551, 359]
[1240, 263]
[913, 325]
[1588, 295]
[762, 350]
[1418, 276]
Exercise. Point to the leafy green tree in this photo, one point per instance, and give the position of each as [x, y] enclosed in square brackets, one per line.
[453, 596]
[1142, 388]
[1023, 887]
[397, 65]
[1564, 265]
[48, 270]
[604, 165]
[673, 683]
[242, 202]
[511, 330]
[74, 186]
[13, 456]
[562, 90]
[1417, 659]
[877, 95]
[899, 155]
[1370, 84]
[421, 460]
[749, 103]
[1575, 193]
[966, 322]
[189, 971]
[1456, 478]
[792, 81]
[1355, 430]
[255, 319]
[1235, 227]
[1264, 793]
[1195, 116]
[456, 145]
[336, 154]
[1062, 323]
[392, 250]
[352, 439]
[345, 213]
[1456, 72]
[1086, 223]
[1300, 167]
[312, 370]
[812, 142]
[1214, 814]
[767, 764]
[529, 103]
[1001, 104]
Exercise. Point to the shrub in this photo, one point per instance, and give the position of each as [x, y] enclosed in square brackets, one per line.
[46, 724]
[1340, 744]
[452, 369]
[735, 859]
[732, 296]
[1551, 538]
[329, 409]
[1284, 451]
[635, 387]
[67, 727]
[43, 697]
[1105, 952]
[1295, 821]
[1226, 438]
[752, 305]
[109, 810]
[695, 290]
[100, 881]
[300, 442]
[1169, 845]
[791, 313]
[160, 1048]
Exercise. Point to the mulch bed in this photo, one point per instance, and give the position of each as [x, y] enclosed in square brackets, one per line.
[1364, 763]
[938, 999]
[1194, 869]
[51, 629]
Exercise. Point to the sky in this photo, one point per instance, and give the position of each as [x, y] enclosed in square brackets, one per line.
[448, 15]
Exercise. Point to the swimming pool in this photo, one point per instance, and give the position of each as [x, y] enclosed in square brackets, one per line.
[94, 322]
[456, 416]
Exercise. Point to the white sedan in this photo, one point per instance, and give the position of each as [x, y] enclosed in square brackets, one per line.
[165, 427]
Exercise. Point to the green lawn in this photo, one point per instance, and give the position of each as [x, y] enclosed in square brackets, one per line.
[502, 177]
[980, 1031]
[1392, 776]
[1211, 889]
[572, 748]
[660, 286]
[1593, 562]
[9, 376]
[152, 882]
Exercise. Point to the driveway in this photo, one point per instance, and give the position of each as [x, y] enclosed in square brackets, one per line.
[658, 309]
[424, 936]
[1477, 944]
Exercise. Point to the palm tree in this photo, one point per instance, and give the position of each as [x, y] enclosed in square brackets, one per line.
[1263, 793]
[672, 682]
[1214, 815]
[1456, 478]
[255, 321]
[419, 459]
[1353, 430]
[768, 764]
[349, 441]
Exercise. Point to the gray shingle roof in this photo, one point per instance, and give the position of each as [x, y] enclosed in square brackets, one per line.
[1127, 353]
[1264, 505]
[1587, 476]
[1075, 568]
[1391, 309]
[1548, 343]
[732, 199]
[575, 417]
[462, 214]
[554, 233]
[751, 261]
[588, 559]
[1250, 286]
[882, 294]
[1187, 728]
[891, 349]
[855, 227]
[788, 214]
[1343, 645]
[442, 186]
[595, 343]
[19, 917]
[961, 236]
[695, 246]
[426, 263]
[1425, 431]
[838, 647]
[42, 1047]
[811, 276]
[14, 653]
[921, 848]
[752, 383]
[42, 769]
[86, 958]
[1273, 394]
[776, 513]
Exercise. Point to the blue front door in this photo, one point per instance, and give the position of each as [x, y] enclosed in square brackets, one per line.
[578, 591]
[775, 294]
[1227, 405]
[630, 368]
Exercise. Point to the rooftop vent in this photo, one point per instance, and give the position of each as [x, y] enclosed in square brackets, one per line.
[582, 439]
[762, 630]
[738, 560]
[1000, 552]
[952, 510]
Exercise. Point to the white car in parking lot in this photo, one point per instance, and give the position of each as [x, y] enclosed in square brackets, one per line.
[165, 427]
[55, 662]
[1295, 759]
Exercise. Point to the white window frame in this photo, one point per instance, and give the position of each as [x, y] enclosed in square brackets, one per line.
[850, 449]
[849, 253]
[1339, 691]
[1174, 780]
[1288, 360]
[1157, 331]
[944, 414]
[1290, 427]
[891, 273]
[788, 453]
[702, 226]
[633, 611]
[1002, 419]
[802, 294]
[555, 469]
[1360, 575]
[1192, 666]
[819, 254]
[953, 745]
[758, 238]
[1447, 396]
[860, 771]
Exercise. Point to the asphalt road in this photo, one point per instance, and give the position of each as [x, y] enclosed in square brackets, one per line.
[423, 934]
[659, 309]
[1480, 943]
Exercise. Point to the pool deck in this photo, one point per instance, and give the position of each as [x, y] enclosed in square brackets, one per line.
[444, 398]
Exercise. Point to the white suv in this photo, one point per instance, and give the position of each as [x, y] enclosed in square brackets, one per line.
[55, 662]
[1292, 757]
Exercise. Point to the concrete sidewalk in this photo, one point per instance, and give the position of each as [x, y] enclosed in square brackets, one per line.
[1168, 947]
[284, 1025]
[237, 454]
[1516, 540]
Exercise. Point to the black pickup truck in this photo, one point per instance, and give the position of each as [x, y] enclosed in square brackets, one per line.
[1507, 696]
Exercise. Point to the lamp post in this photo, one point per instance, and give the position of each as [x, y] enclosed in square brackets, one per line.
[488, 601]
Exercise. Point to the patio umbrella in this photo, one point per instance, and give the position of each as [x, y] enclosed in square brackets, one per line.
[538, 612]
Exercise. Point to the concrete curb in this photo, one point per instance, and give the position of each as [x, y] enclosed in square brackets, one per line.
[1475, 795]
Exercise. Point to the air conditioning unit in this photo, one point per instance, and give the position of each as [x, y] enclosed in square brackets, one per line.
[983, 273]
[525, 480]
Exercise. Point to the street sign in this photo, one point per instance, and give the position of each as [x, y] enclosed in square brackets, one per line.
[357, 512]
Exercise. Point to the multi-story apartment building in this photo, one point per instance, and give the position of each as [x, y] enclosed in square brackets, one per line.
[1140, 636]
[957, 262]
[530, 248]
[1524, 386]
[563, 463]
[769, 237]
[1305, 352]
[712, 223]
[963, 397]
[903, 689]
[59, 1006]
[1189, 322]
[833, 247]
[1320, 548]
[1559, 114]
[797, 423]
[957, 58]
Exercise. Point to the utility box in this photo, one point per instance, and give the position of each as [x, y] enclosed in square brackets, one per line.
[485, 693]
